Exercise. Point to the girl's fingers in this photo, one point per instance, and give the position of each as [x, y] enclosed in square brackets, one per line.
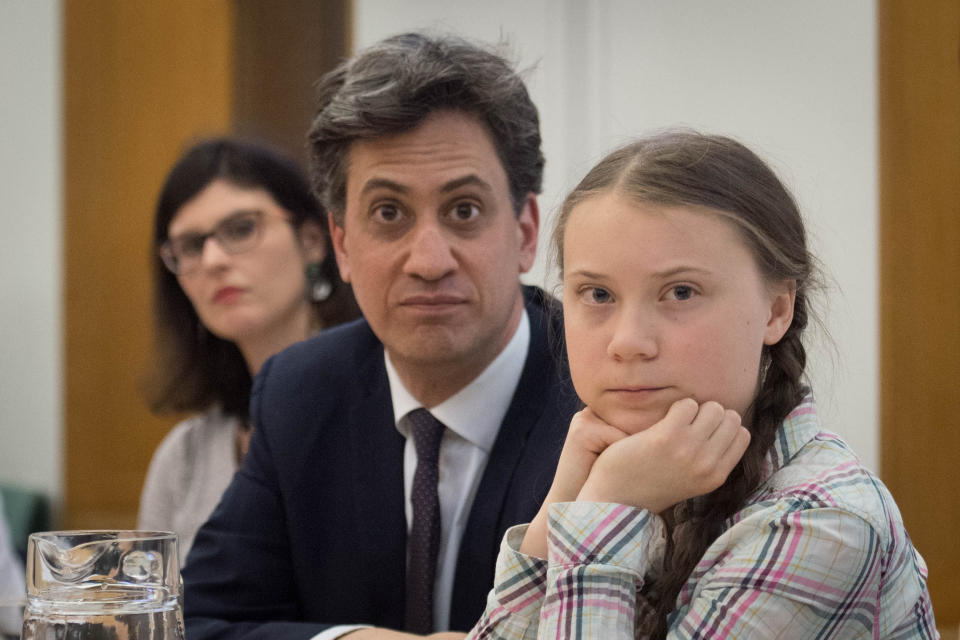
[723, 434]
[589, 432]
[736, 449]
[710, 416]
[690, 452]
[681, 413]
[606, 435]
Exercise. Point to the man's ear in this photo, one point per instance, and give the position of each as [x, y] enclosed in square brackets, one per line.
[312, 240]
[528, 226]
[783, 297]
[339, 248]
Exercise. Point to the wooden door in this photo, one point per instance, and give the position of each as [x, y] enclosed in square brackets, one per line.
[919, 148]
[140, 79]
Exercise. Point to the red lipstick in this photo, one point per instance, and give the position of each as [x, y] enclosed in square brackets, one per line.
[226, 295]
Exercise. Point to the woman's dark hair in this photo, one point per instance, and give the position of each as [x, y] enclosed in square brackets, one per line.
[686, 168]
[193, 368]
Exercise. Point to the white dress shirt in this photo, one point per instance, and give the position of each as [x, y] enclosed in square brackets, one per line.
[472, 418]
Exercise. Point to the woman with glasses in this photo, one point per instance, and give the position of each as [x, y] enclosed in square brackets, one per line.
[243, 268]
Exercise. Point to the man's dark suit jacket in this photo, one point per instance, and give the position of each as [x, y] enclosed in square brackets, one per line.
[312, 532]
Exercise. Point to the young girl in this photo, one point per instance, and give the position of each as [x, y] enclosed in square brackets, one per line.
[697, 495]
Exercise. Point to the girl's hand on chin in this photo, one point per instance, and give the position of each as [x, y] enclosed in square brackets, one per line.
[587, 438]
[688, 453]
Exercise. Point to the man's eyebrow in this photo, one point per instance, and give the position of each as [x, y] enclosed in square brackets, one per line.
[383, 183]
[471, 179]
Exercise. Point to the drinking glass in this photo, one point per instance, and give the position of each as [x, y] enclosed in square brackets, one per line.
[103, 585]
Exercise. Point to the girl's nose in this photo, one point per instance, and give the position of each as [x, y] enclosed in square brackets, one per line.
[634, 336]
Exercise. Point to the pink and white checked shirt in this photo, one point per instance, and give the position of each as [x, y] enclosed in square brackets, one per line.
[820, 551]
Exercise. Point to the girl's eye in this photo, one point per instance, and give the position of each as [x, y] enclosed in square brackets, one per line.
[387, 212]
[464, 211]
[682, 292]
[596, 295]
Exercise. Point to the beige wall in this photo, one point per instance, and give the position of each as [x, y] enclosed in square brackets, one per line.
[30, 245]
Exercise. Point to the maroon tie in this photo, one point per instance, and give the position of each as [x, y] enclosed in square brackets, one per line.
[424, 539]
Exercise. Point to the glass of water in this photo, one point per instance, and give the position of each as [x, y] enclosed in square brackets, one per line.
[103, 585]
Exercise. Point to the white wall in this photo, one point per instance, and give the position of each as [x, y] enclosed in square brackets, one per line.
[795, 81]
[30, 245]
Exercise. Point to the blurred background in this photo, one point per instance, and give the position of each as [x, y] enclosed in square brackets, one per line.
[856, 104]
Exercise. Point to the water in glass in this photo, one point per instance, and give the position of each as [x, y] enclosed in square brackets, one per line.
[103, 585]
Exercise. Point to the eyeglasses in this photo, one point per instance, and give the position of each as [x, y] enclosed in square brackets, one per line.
[235, 234]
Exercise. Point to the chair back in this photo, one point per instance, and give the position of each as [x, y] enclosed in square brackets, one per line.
[26, 511]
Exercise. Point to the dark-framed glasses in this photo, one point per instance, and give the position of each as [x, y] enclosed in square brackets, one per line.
[238, 232]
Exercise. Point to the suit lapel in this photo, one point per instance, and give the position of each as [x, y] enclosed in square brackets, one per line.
[481, 538]
[378, 485]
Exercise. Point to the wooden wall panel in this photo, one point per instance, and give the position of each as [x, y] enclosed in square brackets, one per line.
[141, 79]
[282, 50]
[919, 146]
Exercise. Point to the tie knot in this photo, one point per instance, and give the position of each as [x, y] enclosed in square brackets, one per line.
[427, 433]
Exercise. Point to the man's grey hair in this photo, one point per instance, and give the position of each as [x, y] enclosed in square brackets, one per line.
[392, 86]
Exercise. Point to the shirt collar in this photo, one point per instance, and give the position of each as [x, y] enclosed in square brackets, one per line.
[476, 411]
[799, 427]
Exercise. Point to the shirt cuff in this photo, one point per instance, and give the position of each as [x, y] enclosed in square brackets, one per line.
[580, 533]
[335, 632]
[519, 579]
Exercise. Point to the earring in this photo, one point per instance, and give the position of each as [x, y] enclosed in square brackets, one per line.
[319, 288]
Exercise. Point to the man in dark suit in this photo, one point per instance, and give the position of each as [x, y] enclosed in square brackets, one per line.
[390, 455]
